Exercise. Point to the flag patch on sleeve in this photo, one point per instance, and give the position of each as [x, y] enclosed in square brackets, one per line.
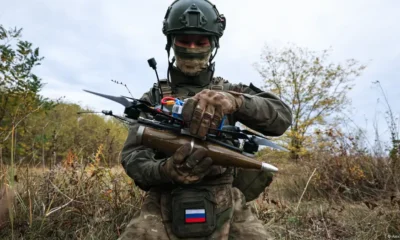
[195, 215]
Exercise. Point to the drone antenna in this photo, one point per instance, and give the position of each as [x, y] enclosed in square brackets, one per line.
[123, 84]
[153, 64]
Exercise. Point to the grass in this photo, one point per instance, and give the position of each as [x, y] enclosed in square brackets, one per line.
[322, 218]
[89, 201]
[85, 202]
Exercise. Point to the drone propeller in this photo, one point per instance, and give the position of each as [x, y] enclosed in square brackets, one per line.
[233, 134]
[268, 143]
[248, 132]
[120, 100]
[254, 138]
[139, 100]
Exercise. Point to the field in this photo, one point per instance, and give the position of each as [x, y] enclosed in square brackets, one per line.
[90, 201]
[60, 176]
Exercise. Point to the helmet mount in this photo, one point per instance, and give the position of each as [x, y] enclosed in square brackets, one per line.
[193, 17]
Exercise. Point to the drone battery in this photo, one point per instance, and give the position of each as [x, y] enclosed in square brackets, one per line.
[177, 109]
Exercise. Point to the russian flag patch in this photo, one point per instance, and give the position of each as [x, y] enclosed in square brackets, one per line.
[195, 215]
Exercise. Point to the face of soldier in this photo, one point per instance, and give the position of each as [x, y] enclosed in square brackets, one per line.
[192, 53]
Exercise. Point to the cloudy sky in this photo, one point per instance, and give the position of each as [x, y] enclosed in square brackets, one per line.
[88, 43]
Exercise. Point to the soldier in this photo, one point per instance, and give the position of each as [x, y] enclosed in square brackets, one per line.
[187, 197]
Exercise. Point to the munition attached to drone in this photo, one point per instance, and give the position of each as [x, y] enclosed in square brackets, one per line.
[166, 132]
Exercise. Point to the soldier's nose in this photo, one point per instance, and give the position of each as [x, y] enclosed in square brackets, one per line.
[192, 45]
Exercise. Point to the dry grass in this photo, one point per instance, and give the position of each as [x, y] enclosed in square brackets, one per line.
[340, 202]
[88, 201]
[83, 202]
[324, 218]
[320, 219]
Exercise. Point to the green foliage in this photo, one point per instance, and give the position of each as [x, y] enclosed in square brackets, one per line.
[18, 57]
[314, 88]
[48, 136]
[44, 130]
[19, 87]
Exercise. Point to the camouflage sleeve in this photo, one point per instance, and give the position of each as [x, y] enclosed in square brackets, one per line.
[267, 114]
[142, 164]
[263, 111]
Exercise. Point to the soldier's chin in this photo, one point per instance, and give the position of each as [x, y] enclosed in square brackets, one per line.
[190, 70]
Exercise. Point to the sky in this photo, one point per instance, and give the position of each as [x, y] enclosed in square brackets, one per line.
[88, 43]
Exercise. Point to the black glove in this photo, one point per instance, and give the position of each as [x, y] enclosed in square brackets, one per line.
[185, 167]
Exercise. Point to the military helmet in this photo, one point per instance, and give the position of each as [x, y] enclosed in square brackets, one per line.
[193, 17]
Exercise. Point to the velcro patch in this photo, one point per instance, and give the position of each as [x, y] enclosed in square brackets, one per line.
[195, 215]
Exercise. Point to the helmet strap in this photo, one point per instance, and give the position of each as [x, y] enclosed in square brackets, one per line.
[168, 45]
[215, 45]
[213, 55]
[170, 66]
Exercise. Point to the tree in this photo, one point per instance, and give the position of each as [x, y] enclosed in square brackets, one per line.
[34, 128]
[50, 136]
[19, 87]
[313, 88]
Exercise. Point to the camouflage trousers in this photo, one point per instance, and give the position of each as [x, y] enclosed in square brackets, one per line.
[238, 221]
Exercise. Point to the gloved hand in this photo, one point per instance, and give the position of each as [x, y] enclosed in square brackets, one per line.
[186, 167]
[206, 109]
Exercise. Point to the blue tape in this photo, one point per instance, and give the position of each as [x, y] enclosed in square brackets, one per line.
[222, 123]
[179, 103]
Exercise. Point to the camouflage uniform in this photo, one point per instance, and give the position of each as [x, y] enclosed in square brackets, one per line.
[260, 111]
[193, 29]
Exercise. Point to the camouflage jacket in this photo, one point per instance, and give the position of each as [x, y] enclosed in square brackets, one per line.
[261, 111]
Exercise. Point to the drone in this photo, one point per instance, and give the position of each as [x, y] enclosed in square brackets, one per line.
[245, 141]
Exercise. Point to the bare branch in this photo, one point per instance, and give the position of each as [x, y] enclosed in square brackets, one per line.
[312, 87]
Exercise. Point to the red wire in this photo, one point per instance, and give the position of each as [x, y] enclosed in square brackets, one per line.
[165, 99]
